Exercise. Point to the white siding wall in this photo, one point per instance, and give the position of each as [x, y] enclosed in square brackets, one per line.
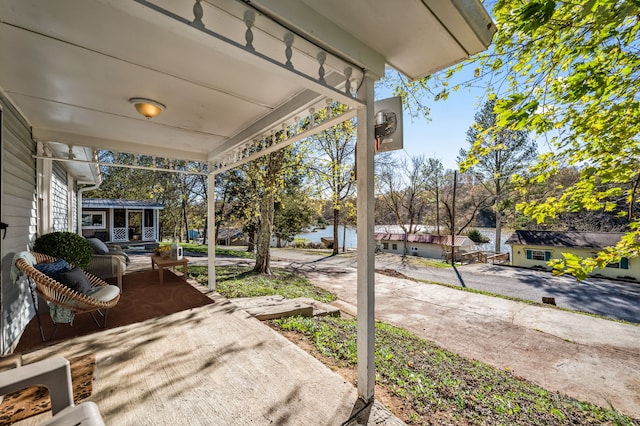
[431, 251]
[59, 199]
[18, 208]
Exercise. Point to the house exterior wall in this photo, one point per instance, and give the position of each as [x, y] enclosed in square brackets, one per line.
[530, 256]
[112, 232]
[18, 207]
[396, 247]
[101, 232]
[428, 250]
[59, 199]
[431, 251]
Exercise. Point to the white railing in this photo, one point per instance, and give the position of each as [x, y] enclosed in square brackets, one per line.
[149, 234]
[120, 234]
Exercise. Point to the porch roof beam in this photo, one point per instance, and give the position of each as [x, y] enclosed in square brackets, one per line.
[226, 165]
[250, 54]
[116, 145]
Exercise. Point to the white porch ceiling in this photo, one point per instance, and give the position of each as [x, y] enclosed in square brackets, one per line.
[70, 66]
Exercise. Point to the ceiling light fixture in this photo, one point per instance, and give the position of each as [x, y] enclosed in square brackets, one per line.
[147, 107]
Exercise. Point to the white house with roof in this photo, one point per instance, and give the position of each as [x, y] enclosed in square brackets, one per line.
[423, 245]
[534, 249]
[121, 221]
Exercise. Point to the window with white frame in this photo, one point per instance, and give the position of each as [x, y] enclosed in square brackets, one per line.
[94, 220]
[543, 255]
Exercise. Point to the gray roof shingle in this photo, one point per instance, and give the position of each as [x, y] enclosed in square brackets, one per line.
[111, 203]
[589, 240]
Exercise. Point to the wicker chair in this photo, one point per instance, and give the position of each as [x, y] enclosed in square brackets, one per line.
[54, 292]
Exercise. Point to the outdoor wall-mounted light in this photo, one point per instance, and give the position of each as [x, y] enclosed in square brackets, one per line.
[147, 107]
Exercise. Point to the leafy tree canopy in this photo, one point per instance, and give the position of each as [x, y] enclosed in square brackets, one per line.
[570, 72]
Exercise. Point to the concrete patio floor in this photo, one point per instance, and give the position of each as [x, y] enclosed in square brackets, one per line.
[213, 365]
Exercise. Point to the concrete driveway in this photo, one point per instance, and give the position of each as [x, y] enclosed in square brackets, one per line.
[588, 358]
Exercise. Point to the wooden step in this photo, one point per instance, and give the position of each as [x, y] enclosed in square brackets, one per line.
[272, 307]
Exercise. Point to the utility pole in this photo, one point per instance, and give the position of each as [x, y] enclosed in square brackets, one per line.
[453, 218]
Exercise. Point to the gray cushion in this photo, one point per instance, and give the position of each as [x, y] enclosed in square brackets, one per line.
[76, 280]
[105, 293]
[98, 246]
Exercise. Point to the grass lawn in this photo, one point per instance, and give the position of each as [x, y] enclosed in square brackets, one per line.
[203, 248]
[241, 281]
[430, 385]
[426, 384]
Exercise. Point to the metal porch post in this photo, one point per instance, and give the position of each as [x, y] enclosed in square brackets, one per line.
[211, 229]
[365, 242]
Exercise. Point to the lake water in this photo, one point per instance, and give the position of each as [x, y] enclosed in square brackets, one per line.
[314, 237]
[351, 235]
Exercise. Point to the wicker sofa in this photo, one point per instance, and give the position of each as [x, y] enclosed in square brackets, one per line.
[107, 262]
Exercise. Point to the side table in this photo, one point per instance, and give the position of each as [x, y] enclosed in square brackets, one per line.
[168, 263]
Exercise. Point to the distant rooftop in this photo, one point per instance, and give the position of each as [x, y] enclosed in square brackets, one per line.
[589, 240]
[444, 240]
[112, 203]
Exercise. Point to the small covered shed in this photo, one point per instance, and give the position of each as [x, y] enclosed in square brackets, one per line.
[533, 249]
[423, 245]
[121, 221]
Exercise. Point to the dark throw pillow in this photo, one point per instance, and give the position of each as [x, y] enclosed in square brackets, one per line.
[98, 246]
[76, 280]
[53, 269]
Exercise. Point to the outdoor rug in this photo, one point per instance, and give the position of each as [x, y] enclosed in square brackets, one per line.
[35, 400]
[142, 298]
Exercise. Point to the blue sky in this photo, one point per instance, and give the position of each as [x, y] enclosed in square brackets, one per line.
[444, 133]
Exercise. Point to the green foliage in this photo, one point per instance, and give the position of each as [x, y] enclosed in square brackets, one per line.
[301, 242]
[241, 281]
[570, 73]
[435, 383]
[475, 236]
[331, 160]
[69, 246]
[294, 212]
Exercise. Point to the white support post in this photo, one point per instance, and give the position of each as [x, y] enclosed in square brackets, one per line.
[366, 258]
[211, 229]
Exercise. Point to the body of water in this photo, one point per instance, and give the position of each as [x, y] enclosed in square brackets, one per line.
[351, 235]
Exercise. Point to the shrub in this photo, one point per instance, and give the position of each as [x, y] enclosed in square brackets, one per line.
[475, 236]
[300, 242]
[66, 245]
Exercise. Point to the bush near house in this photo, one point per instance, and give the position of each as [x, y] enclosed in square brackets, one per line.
[69, 246]
[475, 236]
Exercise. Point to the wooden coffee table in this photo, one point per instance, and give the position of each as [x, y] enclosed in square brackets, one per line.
[168, 263]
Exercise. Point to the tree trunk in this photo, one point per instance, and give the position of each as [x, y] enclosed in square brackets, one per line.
[498, 230]
[438, 211]
[453, 219]
[265, 229]
[336, 223]
[251, 244]
[186, 222]
[344, 238]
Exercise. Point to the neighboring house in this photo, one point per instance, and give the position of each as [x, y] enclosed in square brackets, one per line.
[121, 221]
[231, 237]
[533, 249]
[423, 245]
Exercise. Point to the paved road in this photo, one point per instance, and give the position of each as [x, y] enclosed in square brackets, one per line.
[613, 299]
